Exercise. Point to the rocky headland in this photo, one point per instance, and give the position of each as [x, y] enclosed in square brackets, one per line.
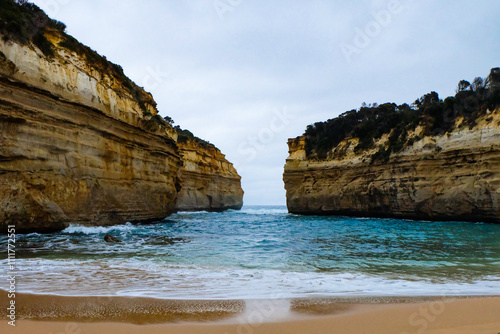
[80, 143]
[433, 160]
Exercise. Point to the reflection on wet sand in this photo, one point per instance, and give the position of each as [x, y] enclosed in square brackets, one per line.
[120, 309]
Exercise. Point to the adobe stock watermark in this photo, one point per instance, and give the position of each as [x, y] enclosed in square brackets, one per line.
[364, 37]
[11, 274]
[70, 328]
[52, 7]
[259, 312]
[222, 7]
[249, 149]
[430, 312]
[154, 78]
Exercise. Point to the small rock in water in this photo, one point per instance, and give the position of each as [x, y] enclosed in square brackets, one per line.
[110, 238]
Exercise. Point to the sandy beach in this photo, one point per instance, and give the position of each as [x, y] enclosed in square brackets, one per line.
[348, 315]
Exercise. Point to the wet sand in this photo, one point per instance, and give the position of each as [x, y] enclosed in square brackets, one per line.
[128, 315]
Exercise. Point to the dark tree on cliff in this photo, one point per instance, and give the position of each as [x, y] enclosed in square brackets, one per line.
[169, 120]
[463, 85]
[370, 123]
[478, 84]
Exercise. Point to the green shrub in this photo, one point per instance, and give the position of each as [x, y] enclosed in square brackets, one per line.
[158, 119]
[25, 22]
[183, 136]
[43, 44]
[381, 155]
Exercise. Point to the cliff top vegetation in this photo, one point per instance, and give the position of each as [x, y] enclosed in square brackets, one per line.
[436, 116]
[25, 23]
[185, 135]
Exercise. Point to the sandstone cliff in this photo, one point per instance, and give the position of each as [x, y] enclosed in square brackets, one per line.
[75, 146]
[209, 181]
[443, 175]
[79, 142]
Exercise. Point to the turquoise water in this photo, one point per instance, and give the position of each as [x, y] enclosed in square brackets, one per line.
[262, 252]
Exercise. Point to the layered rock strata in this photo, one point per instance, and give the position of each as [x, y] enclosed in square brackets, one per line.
[82, 144]
[455, 176]
[75, 146]
[209, 181]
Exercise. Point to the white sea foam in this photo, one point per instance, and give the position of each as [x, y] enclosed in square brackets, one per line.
[191, 212]
[264, 211]
[208, 256]
[160, 280]
[98, 229]
[244, 210]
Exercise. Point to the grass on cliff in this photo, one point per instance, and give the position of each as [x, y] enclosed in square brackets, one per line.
[25, 23]
[436, 116]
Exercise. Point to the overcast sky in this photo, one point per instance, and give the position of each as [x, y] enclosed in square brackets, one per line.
[247, 75]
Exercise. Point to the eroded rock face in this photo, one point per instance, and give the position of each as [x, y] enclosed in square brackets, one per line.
[82, 145]
[75, 146]
[455, 176]
[209, 181]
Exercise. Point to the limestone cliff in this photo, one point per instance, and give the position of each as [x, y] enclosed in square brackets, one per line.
[450, 174]
[209, 181]
[75, 146]
[79, 142]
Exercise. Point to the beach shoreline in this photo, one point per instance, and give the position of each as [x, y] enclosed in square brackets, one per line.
[425, 314]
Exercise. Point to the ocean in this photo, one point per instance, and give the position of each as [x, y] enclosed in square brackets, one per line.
[261, 252]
